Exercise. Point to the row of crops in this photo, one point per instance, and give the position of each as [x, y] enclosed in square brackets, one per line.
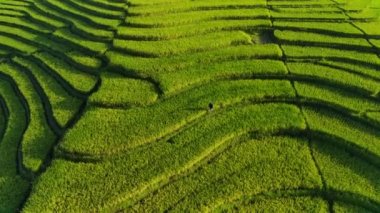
[103, 105]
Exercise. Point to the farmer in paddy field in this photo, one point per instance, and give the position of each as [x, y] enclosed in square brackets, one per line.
[210, 106]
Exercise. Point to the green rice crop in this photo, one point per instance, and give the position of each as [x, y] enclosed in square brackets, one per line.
[368, 27]
[79, 25]
[335, 28]
[164, 33]
[151, 175]
[38, 137]
[347, 173]
[64, 105]
[17, 45]
[12, 186]
[19, 21]
[35, 39]
[172, 82]
[297, 204]
[81, 81]
[112, 5]
[302, 3]
[182, 6]
[174, 19]
[376, 43]
[348, 208]
[342, 77]
[85, 61]
[98, 10]
[224, 177]
[307, 15]
[303, 37]
[99, 21]
[353, 132]
[356, 57]
[354, 68]
[336, 97]
[365, 14]
[66, 34]
[170, 115]
[184, 45]
[10, 12]
[15, 2]
[11, 190]
[33, 15]
[374, 115]
[170, 64]
[127, 91]
[11, 137]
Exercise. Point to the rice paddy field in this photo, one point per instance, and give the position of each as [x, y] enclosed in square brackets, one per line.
[104, 106]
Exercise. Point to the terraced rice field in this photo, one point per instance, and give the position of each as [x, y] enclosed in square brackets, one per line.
[104, 105]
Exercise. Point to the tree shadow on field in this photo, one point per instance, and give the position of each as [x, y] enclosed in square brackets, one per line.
[264, 37]
[342, 158]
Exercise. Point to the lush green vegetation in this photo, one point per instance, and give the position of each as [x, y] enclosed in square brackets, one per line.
[189, 106]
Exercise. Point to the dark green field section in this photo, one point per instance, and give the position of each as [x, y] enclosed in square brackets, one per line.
[104, 106]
